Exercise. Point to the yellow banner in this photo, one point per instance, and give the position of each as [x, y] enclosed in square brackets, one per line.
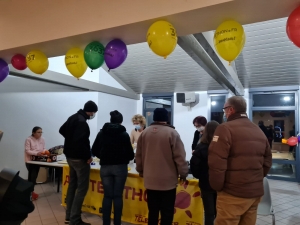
[188, 207]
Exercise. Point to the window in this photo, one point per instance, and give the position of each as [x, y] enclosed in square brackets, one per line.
[216, 107]
[153, 101]
[280, 99]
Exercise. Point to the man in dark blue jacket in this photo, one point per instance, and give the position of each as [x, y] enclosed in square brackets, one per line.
[77, 149]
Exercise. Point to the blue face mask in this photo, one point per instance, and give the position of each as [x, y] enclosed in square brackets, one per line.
[224, 118]
[138, 127]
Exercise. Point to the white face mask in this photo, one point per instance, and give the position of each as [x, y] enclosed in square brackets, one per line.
[137, 127]
[200, 129]
[93, 116]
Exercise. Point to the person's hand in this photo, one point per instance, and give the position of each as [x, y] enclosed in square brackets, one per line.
[39, 153]
[90, 160]
[182, 180]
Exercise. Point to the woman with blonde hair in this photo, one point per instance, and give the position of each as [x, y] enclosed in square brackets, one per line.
[139, 123]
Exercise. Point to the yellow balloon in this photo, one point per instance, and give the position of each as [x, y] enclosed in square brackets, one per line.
[75, 62]
[162, 38]
[37, 62]
[229, 40]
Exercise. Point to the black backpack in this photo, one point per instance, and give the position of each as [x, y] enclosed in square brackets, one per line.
[16, 201]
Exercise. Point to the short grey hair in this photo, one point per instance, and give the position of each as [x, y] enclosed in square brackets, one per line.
[238, 103]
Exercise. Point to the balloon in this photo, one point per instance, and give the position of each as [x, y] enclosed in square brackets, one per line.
[75, 63]
[115, 53]
[37, 62]
[19, 62]
[293, 27]
[94, 55]
[162, 38]
[292, 141]
[284, 141]
[229, 40]
[4, 70]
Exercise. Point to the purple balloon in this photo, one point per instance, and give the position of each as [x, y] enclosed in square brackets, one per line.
[299, 139]
[4, 70]
[115, 53]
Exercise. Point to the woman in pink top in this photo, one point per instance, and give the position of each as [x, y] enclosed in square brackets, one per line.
[34, 145]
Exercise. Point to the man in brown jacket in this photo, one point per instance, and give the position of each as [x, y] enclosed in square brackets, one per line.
[239, 159]
[160, 159]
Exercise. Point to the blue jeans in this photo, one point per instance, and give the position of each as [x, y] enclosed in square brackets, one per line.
[113, 179]
[78, 187]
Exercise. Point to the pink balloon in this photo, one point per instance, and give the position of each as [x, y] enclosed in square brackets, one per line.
[292, 141]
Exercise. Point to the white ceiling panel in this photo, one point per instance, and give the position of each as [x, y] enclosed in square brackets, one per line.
[144, 72]
[269, 58]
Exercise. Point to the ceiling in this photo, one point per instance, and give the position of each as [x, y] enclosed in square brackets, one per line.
[145, 72]
[269, 58]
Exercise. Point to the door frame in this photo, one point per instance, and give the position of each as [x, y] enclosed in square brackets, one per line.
[295, 108]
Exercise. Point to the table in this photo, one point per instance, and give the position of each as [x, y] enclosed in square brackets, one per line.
[48, 165]
[188, 205]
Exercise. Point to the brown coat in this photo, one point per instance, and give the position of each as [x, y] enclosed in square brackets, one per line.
[160, 157]
[239, 158]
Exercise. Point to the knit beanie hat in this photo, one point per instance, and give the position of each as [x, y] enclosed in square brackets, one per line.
[90, 106]
[160, 115]
[116, 117]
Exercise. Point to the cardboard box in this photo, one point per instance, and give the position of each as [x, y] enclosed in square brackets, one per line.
[51, 158]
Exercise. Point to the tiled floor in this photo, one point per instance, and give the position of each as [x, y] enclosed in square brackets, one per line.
[285, 196]
[286, 201]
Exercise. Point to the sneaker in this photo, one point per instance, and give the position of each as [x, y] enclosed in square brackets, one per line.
[34, 196]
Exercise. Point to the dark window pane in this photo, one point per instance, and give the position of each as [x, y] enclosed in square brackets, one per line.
[217, 103]
[265, 100]
[158, 103]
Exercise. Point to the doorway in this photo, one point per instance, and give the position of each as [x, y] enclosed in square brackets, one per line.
[276, 113]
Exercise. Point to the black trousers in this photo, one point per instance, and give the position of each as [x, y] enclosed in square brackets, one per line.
[33, 172]
[209, 199]
[162, 202]
[11, 222]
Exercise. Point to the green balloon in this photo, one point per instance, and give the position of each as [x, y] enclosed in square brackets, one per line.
[94, 55]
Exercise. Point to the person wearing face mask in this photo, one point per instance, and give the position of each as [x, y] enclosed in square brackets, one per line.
[139, 123]
[77, 149]
[199, 123]
[239, 157]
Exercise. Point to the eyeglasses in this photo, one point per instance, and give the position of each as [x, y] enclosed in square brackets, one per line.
[39, 132]
[226, 108]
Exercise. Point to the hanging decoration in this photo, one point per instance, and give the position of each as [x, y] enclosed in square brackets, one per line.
[293, 27]
[229, 40]
[4, 70]
[292, 141]
[115, 53]
[75, 63]
[94, 55]
[37, 62]
[18, 61]
[162, 38]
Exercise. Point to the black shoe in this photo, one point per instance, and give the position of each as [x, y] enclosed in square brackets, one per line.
[83, 223]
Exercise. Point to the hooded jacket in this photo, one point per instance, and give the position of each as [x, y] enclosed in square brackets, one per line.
[160, 157]
[112, 145]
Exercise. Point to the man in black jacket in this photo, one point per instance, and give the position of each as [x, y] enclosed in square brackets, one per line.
[77, 149]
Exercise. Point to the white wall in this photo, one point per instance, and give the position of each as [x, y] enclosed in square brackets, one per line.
[183, 119]
[108, 103]
[20, 112]
[57, 64]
